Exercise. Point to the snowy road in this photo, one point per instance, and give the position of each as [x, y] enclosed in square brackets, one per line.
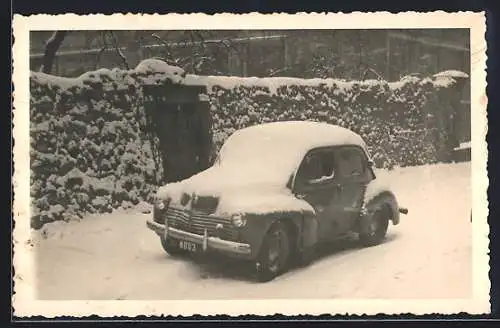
[428, 255]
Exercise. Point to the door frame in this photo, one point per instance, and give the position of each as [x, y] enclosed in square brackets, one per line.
[348, 214]
[338, 211]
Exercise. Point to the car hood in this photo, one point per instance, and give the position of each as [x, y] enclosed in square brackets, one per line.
[222, 191]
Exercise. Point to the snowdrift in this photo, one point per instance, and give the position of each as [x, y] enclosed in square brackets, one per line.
[90, 153]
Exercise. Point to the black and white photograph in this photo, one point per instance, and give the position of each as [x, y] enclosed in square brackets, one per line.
[319, 165]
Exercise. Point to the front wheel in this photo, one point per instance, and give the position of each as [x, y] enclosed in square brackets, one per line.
[376, 228]
[274, 254]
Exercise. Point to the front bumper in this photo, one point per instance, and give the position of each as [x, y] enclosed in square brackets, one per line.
[207, 242]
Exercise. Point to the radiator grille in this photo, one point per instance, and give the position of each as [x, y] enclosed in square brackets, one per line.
[198, 222]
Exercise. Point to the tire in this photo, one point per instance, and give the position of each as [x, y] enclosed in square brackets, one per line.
[377, 227]
[274, 255]
[170, 248]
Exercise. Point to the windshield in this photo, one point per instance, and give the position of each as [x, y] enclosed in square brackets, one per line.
[260, 157]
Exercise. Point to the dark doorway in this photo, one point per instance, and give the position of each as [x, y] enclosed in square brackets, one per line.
[180, 129]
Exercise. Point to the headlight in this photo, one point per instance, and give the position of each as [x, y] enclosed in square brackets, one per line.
[238, 220]
[161, 204]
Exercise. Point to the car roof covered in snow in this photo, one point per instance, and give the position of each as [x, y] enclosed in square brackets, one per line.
[302, 135]
[265, 155]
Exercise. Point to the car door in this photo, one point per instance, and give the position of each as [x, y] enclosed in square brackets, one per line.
[352, 175]
[314, 182]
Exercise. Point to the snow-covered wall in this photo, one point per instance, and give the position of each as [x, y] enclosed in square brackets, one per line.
[89, 152]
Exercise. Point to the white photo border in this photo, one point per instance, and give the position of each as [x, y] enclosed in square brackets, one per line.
[24, 301]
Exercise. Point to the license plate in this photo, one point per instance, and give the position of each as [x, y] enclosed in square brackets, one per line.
[187, 246]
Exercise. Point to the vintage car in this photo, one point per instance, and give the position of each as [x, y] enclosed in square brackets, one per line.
[274, 193]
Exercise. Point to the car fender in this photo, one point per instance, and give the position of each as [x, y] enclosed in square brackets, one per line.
[384, 197]
[303, 226]
[309, 231]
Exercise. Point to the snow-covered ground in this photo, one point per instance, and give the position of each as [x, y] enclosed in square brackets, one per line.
[428, 255]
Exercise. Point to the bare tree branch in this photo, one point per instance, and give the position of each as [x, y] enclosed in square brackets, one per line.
[51, 47]
[165, 44]
[279, 71]
[379, 77]
[118, 50]
[200, 37]
[195, 43]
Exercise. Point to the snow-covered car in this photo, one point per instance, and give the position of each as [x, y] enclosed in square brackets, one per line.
[275, 192]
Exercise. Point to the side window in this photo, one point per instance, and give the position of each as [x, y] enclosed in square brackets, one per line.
[350, 163]
[317, 166]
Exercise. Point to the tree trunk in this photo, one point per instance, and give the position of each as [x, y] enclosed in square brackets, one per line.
[51, 48]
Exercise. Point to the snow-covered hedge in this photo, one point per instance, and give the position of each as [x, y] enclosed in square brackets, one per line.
[402, 122]
[90, 153]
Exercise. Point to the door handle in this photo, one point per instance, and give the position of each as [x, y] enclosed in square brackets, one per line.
[300, 196]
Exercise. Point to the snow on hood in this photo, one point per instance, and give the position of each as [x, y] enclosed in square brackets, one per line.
[262, 202]
[237, 192]
[218, 180]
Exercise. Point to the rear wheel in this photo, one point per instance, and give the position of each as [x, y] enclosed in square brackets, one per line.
[274, 254]
[376, 228]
